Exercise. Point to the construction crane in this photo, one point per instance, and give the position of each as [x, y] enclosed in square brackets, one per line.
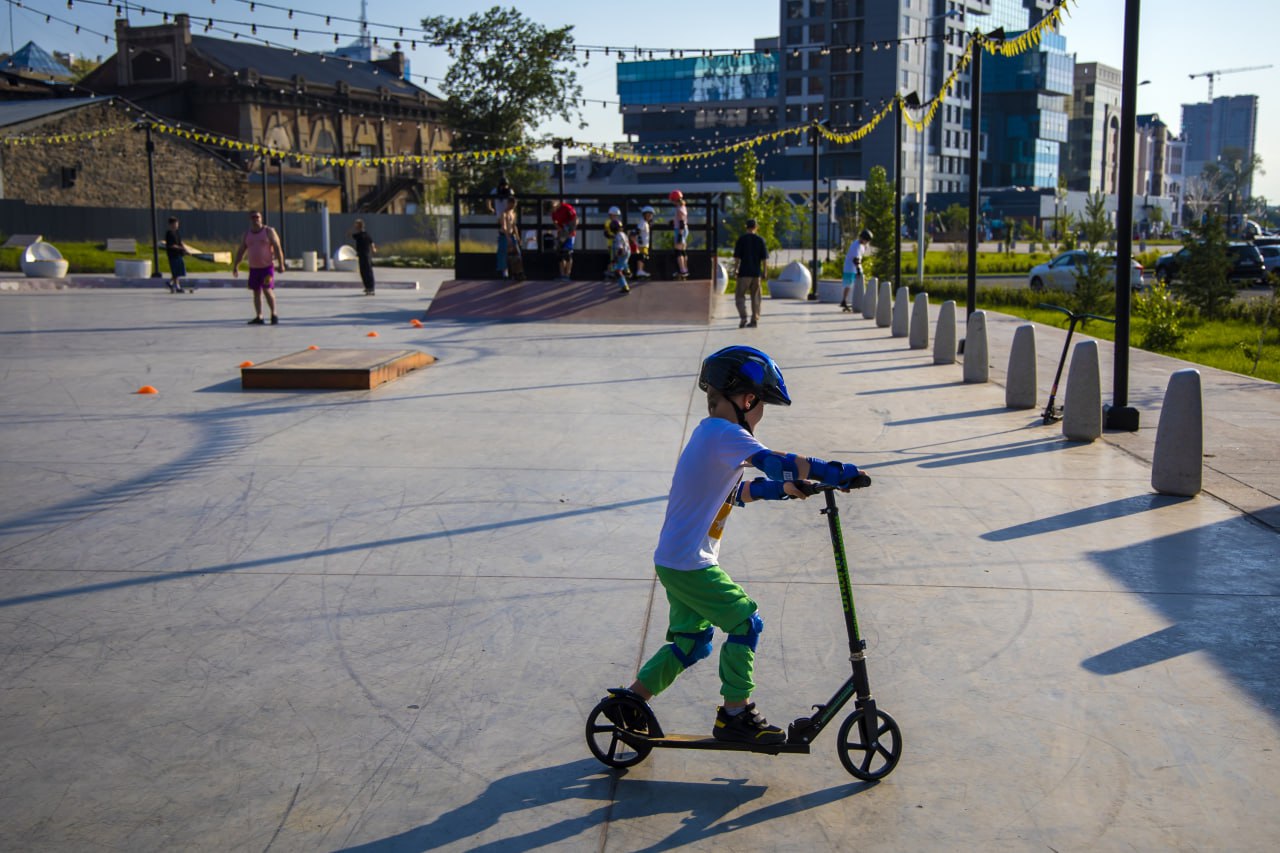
[1212, 74]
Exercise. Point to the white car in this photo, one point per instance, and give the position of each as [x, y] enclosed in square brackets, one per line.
[1270, 259]
[1060, 273]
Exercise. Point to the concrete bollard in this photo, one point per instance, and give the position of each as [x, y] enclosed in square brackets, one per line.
[855, 294]
[944, 342]
[919, 337]
[1020, 384]
[869, 298]
[901, 311]
[1082, 404]
[976, 368]
[1178, 463]
[884, 304]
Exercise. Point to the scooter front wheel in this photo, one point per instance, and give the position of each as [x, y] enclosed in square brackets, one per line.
[606, 718]
[870, 748]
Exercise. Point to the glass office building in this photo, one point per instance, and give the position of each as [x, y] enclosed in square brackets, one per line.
[1024, 105]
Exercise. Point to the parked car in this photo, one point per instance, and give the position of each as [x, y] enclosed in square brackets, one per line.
[1060, 273]
[1270, 259]
[1246, 264]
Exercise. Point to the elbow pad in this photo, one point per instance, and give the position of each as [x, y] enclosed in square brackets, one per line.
[839, 474]
[776, 466]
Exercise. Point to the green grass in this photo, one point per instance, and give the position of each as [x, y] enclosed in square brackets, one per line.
[93, 258]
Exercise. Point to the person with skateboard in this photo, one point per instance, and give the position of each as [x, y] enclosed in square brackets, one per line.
[262, 245]
[853, 268]
[739, 382]
[644, 236]
[365, 250]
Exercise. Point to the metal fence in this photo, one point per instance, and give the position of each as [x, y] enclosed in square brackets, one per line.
[301, 232]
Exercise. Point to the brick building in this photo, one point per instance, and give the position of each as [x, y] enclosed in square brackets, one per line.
[87, 152]
[322, 106]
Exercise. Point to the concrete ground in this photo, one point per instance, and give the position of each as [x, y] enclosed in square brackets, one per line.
[378, 620]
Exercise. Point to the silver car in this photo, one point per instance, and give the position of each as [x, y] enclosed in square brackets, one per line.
[1060, 273]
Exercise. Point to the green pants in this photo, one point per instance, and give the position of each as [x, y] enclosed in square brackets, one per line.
[699, 600]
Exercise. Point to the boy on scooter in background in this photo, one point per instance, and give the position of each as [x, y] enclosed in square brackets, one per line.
[707, 484]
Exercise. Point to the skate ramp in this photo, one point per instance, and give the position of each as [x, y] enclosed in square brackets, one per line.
[665, 302]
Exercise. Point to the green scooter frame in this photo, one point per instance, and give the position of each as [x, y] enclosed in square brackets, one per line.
[622, 729]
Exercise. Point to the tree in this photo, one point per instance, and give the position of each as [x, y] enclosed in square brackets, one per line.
[1094, 280]
[771, 210]
[1205, 277]
[508, 75]
[876, 212]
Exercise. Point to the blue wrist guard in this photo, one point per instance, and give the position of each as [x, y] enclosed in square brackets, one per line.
[767, 490]
[838, 474]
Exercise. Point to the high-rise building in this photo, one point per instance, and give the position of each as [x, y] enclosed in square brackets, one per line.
[1210, 130]
[1093, 130]
[835, 61]
[1024, 114]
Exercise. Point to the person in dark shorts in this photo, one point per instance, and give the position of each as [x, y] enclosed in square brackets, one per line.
[263, 247]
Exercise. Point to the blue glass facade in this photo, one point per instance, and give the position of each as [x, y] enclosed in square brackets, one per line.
[1024, 103]
[747, 77]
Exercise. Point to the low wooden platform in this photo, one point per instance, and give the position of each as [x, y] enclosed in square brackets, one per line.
[666, 302]
[333, 369]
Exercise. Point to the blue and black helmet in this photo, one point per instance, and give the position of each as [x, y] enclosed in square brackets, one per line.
[735, 369]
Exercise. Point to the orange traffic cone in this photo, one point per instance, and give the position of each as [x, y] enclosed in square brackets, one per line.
[147, 389]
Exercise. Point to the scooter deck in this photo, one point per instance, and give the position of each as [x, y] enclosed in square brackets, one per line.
[699, 742]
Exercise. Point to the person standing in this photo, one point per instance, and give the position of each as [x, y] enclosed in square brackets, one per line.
[680, 224]
[853, 268]
[750, 260]
[643, 238]
[508, 231]
[566, 222]
[176, 251]
[262, 246]
[365, 250]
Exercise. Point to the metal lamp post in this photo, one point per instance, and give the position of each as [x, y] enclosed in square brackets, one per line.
[975, 164]
[1120, 415]
[151, 187]
[911, 101]
[924, 144]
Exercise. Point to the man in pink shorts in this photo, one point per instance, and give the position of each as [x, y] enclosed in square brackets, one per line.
[263, 247]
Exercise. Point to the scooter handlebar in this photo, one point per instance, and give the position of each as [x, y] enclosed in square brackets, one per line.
[809, 487]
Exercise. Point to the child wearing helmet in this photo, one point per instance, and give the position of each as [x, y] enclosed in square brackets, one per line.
[643, 238]
[619, 249]
[707, 485]
[680, 222]
[853, 267]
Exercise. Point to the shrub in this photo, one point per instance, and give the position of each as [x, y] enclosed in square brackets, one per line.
[1162, 316]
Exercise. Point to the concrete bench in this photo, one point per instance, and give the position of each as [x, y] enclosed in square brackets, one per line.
[21, 241]
[125, 245]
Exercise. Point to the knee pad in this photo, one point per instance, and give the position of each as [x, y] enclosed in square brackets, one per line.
[701, 647]
[747, 633]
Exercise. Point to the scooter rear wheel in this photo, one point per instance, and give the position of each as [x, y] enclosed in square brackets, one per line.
[606, 718]
[865, 757]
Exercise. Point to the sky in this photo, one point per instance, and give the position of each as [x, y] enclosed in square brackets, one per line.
[1177, 38]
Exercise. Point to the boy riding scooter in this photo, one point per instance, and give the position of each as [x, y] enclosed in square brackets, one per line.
[707, 485]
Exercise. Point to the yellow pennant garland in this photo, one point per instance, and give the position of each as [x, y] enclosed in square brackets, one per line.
[1024, 42]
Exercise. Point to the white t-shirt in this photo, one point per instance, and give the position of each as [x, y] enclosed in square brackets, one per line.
[642, 234]
[709, 468]
[856, 250]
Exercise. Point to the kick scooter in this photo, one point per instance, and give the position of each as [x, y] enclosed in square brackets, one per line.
[1053, 413]
[622, 729]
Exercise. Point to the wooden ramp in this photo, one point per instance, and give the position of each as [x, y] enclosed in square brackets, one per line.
[666, 302]
[333, 369]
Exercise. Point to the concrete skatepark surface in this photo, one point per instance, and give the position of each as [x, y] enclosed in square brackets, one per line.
[377, 620]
